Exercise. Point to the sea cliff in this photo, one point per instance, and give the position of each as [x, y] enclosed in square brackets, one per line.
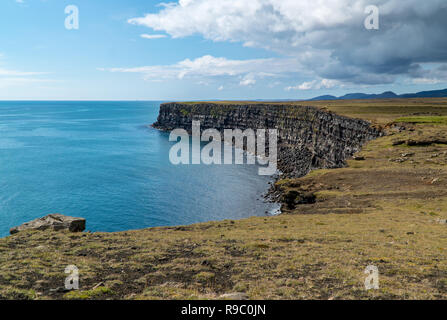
[308, 137]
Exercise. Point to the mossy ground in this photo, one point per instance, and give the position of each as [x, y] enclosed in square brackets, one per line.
[388, 210]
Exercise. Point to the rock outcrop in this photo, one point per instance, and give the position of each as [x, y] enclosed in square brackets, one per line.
[54, 221]
[308, 137]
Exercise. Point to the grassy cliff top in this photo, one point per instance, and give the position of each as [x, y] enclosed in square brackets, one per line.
[388, 210]
[378, 111]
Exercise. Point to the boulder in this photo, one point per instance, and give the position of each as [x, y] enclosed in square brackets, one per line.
[53, 221]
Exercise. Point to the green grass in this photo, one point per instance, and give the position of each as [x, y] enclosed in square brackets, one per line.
[12, 293]
[98, 293]
[424, 120]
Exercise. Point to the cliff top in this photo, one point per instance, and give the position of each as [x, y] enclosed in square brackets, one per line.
[378, 111]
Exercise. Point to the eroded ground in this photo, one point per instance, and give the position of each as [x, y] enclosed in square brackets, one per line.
[388, 208]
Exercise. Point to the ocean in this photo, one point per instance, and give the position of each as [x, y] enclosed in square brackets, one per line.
[101, 161]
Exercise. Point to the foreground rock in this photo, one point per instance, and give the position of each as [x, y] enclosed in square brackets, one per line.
[53, 221]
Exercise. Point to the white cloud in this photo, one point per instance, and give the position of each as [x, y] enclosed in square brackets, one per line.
[248, 80]
[315, 85]
[430, 74]
[5, 72]
[426, 81]
[240, 20]
[220, 88]
[247, 71]
[9, 77]
[153, 36]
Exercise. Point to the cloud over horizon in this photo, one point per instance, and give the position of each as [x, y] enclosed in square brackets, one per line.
[246, 72]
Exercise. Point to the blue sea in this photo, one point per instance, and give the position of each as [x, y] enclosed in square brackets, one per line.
[101, 161]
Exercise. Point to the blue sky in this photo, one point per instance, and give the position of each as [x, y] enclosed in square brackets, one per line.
[205, 49]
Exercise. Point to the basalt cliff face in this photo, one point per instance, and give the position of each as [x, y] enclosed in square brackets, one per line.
[308, 137]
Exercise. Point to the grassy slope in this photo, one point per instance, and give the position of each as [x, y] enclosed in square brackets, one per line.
[387, 210]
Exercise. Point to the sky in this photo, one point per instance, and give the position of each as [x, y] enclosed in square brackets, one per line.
[219, 49]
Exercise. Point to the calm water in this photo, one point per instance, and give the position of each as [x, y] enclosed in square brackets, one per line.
[97, 160]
